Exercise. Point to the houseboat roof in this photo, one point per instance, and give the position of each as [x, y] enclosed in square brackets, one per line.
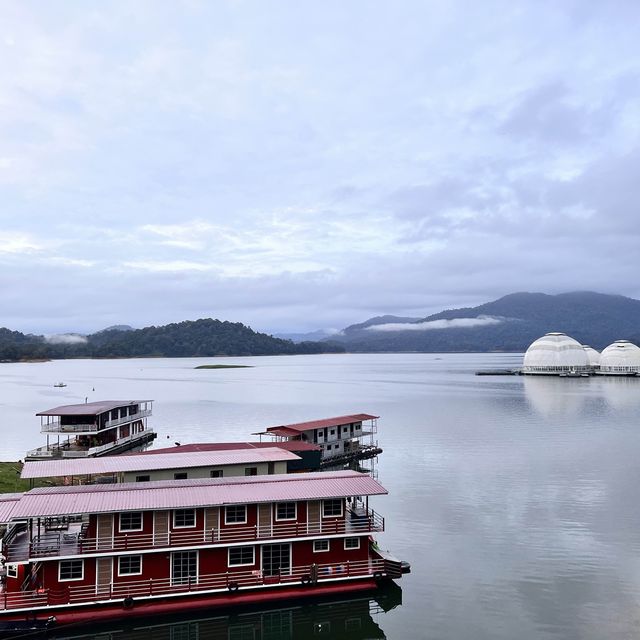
[8, 502]
[289, 445]
[89, 408]
[297, 427]
[180, 494]
[138, 462]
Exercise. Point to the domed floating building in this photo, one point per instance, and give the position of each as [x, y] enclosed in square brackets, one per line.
[556, 354]
[622, 358]
[593, 357]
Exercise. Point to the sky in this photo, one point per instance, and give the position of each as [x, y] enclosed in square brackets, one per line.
[307, 165]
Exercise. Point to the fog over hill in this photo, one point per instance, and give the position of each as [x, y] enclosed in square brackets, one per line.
[510, 323]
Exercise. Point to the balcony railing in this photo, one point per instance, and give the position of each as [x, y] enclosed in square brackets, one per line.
[73, 451]
[71, 543]
[55, 426]
[302, 574]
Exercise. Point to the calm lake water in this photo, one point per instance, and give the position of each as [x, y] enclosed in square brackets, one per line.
[514, 499]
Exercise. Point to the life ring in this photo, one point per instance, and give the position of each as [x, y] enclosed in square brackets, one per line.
[233, 586]
[305, 579]
[127, 603]
[377, 575]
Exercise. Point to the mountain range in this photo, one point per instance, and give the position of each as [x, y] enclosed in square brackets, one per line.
[510, 323]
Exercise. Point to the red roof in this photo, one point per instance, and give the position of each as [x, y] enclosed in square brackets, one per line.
[178, 494]
[321, 424]
[291, 445]
[89, 408]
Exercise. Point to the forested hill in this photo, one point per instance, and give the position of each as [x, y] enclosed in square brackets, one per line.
[510, 323]
[204, 337]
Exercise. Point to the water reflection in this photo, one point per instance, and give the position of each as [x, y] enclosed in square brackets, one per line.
[347, 618]
[551, 396]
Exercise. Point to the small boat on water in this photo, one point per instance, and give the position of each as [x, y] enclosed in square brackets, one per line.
[60, 384]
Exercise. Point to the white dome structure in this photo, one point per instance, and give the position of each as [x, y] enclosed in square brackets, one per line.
[622, 358]
[593, 357]
[556, 354]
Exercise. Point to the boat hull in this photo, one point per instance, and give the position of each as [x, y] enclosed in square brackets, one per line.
[143, 607]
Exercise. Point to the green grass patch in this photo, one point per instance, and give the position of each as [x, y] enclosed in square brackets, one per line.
[10, 481]
[224, 366]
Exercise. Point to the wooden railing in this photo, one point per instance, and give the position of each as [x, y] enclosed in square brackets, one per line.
[48, 545]
[230, 580]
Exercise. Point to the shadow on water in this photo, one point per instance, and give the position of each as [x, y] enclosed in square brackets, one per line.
[348, 618]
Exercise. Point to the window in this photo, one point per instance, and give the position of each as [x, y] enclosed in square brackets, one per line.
[251, 471]
[333, 432]
[180, 476]
[241, 556]
[12, 571]
[332, 508]
[143, 478]
[216, 473]
[131, 521]
[286, 511]
[184, 567]
[70, 570]
[319, 546]
[184, 518]
[129, 565]
[235, 514]
[352, 543]
[345, 429]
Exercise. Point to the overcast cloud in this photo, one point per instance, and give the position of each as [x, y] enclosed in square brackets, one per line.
[304, 165]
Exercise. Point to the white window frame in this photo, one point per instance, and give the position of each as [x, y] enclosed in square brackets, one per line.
[184, 526]
[338, 515]
[61, 562]
[325, 541]
[348, 547]
[295, 511]
[219, 473]
[12, 570]
[242, 564]
[235, 506]
[130, 513]
[129, 573]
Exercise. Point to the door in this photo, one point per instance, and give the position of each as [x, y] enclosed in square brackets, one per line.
[104, 531]
[211, 524]
[264, 520]
[104, 576]
[160, 528]
[276, 559]
[313, 516]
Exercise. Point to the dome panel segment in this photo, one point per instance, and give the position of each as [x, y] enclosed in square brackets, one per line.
[555, 354]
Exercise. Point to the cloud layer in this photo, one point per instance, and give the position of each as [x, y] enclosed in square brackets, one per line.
[297, 167]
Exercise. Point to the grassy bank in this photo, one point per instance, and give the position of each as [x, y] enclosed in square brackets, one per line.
[10, 481]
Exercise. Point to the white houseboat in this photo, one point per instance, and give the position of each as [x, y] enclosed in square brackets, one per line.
[94, 429]
[342, 439]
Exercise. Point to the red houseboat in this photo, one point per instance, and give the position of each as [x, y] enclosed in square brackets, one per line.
[92, 552]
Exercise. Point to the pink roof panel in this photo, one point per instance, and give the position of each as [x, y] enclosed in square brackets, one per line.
[172, 460]
[177, 494]
[8, 503]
